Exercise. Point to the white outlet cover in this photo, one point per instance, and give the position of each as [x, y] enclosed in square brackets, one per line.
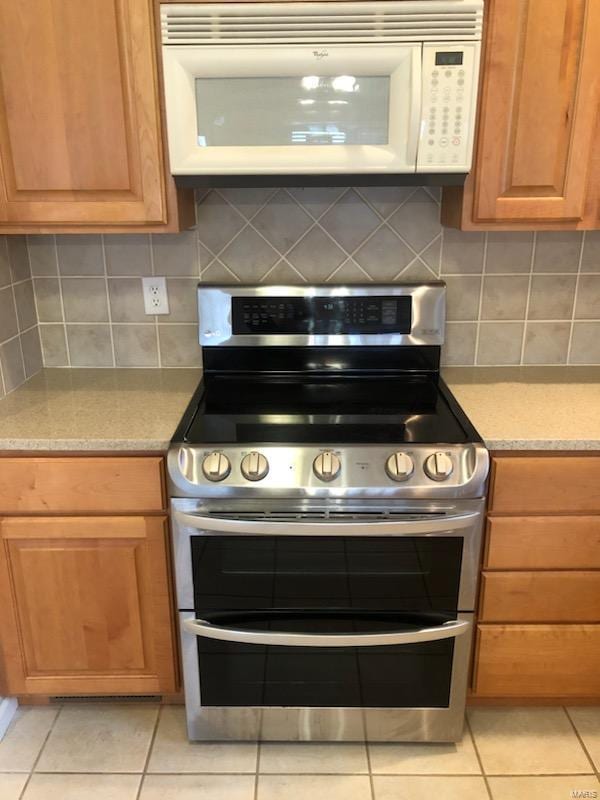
[156, 299]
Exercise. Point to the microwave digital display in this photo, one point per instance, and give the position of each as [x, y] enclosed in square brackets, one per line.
[321, 315]
[449, 59]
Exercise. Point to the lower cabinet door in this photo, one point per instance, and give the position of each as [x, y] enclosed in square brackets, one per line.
[537, 661]
[85, 606]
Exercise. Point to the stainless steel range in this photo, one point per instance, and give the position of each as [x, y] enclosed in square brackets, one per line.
[327, 507]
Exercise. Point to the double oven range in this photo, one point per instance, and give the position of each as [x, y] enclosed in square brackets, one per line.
[327, 496]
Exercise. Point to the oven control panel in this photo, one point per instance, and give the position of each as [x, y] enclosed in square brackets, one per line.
[451, 470]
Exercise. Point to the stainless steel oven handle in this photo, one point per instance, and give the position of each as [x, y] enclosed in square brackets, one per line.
[447, 630]
[294, 528]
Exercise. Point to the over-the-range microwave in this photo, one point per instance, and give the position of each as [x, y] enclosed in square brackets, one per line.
[268, 91]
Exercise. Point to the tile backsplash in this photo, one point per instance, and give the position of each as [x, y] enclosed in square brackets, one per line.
[513, 298]
[20, 354]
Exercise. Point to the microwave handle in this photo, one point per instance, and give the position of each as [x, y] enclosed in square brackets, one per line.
[448, 630]
[223, 525]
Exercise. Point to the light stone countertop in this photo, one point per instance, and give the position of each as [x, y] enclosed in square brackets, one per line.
[519, 408]
[96, 409]
[530, 408]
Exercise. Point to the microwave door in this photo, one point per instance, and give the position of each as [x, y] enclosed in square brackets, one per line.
[298, 109]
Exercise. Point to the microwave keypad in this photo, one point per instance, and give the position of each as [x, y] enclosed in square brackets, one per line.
[446, 109]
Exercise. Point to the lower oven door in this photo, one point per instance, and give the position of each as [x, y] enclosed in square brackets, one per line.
[337, 627]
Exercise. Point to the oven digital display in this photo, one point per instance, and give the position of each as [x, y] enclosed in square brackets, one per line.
[321, 315]
[448, 59]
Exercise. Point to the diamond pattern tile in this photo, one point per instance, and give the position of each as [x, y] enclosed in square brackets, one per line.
[350, 220]
[316, 255]
[282, 221]
[383, 255]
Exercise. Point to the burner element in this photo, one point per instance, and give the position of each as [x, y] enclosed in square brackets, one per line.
[399, 467]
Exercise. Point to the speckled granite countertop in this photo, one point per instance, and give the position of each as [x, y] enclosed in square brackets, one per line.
[514, 408]
[531, 408]
[96, 409]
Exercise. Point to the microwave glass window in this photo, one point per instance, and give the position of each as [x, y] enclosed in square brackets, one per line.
[309, 110]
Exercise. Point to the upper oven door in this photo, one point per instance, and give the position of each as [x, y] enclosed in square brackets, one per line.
[404, 559]
[293, 109]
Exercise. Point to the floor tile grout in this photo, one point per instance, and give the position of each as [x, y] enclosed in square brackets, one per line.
[39, 755]
[149, 753]
[478, 756]
[582, 743]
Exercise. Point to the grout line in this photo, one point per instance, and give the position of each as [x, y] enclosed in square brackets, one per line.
[257, 771]
[476, 749]
[108, 309]
[480, 304]
[582, 743]
[528, 299]
[370, 768]
[39, 755]
[149, 753]
[62, 305]
[570, 345]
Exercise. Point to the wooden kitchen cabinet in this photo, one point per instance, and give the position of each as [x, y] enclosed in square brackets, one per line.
[81, 132]
[537, 152]
[85, 606]
[538, 632]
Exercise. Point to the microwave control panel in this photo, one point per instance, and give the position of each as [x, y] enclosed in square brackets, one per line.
[448, 104]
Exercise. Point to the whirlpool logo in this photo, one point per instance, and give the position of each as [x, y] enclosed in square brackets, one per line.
[319, 54]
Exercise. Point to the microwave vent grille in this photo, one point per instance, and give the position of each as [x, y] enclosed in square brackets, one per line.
[321, 23]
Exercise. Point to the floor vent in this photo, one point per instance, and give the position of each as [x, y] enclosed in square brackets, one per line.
[121, 698]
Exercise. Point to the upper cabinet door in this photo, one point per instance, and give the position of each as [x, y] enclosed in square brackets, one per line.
[538, 110]
[80, 128]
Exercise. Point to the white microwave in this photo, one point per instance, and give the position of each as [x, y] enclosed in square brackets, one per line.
[321, 88]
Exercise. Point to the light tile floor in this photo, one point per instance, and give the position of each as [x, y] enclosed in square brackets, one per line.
[139, 751]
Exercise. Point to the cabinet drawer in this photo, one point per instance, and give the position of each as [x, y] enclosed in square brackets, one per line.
[540, 597]
[543, 543]
[537, 661]
[540, 485]
[66, 485]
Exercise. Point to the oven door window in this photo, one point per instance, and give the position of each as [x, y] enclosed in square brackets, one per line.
[391, 676]
[323, 572]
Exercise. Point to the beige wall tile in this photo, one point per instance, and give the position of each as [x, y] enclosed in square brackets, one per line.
[590, 261]
[218, 222]
[18, 258]
[176, 253]
[128, 254]
[587, 304]
[417, 220]
[183, 301]
[350, 221]
[585, 345]
[80, 254]
[8, 315]
[11, 359]
[247, 201]
[547, 342]
[316, 255]
[90, 345]
[84, 299]
[526, 741]
[32, 351]
[5, 273]
[282, 221]
[47, 295]
[462, 297]
[557, 251]
[126, 296]
[552, 297]
[179, 346]
[316, 200]
[249, 256]
[99, 738]
[383, 256]
[54, 345]
[135, 345]
[509, 252]
[462, 253]
[25, 302]
[459, 348]
[504, 297]
[499, 343]
[386, 199]
[42, 255]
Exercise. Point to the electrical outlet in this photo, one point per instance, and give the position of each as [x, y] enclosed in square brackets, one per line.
[156, 299]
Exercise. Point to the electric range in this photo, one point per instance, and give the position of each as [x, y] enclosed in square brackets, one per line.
[327, 496]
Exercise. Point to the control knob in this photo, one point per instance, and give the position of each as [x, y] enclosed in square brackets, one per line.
[438, 466]
[399, 467]
[327, 466]
[216, 467]
[254, 466]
